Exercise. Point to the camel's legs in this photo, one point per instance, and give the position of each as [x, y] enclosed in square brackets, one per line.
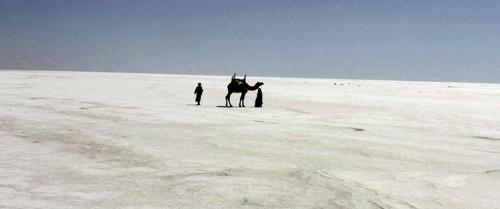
[228, 99]
[242, 100]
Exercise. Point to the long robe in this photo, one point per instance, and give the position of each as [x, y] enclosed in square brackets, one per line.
[258, 99]
[198, 91]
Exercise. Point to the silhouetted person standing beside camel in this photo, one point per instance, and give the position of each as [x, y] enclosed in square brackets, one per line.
[258, 100]
[198, 91]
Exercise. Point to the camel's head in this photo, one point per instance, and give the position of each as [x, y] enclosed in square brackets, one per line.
[259, 84]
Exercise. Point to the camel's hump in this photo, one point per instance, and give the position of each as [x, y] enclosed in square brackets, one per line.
[238, 81]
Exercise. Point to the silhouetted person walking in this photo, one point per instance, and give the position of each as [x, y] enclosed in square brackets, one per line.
[258, 100]
[198, 91]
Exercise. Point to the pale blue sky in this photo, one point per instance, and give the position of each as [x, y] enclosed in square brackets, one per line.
[385, 39]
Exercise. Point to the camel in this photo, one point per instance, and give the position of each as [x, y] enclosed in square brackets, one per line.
[240, 86]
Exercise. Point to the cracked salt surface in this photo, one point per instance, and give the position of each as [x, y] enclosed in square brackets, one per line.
[111, 140]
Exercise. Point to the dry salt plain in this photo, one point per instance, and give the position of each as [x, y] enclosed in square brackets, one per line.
[111, 140]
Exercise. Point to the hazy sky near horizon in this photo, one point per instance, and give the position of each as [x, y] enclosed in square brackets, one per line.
[439, 40]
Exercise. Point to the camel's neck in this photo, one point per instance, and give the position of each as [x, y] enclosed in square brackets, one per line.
[253, 88]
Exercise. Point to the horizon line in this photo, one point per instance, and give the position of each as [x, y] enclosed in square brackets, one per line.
[258, 76]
